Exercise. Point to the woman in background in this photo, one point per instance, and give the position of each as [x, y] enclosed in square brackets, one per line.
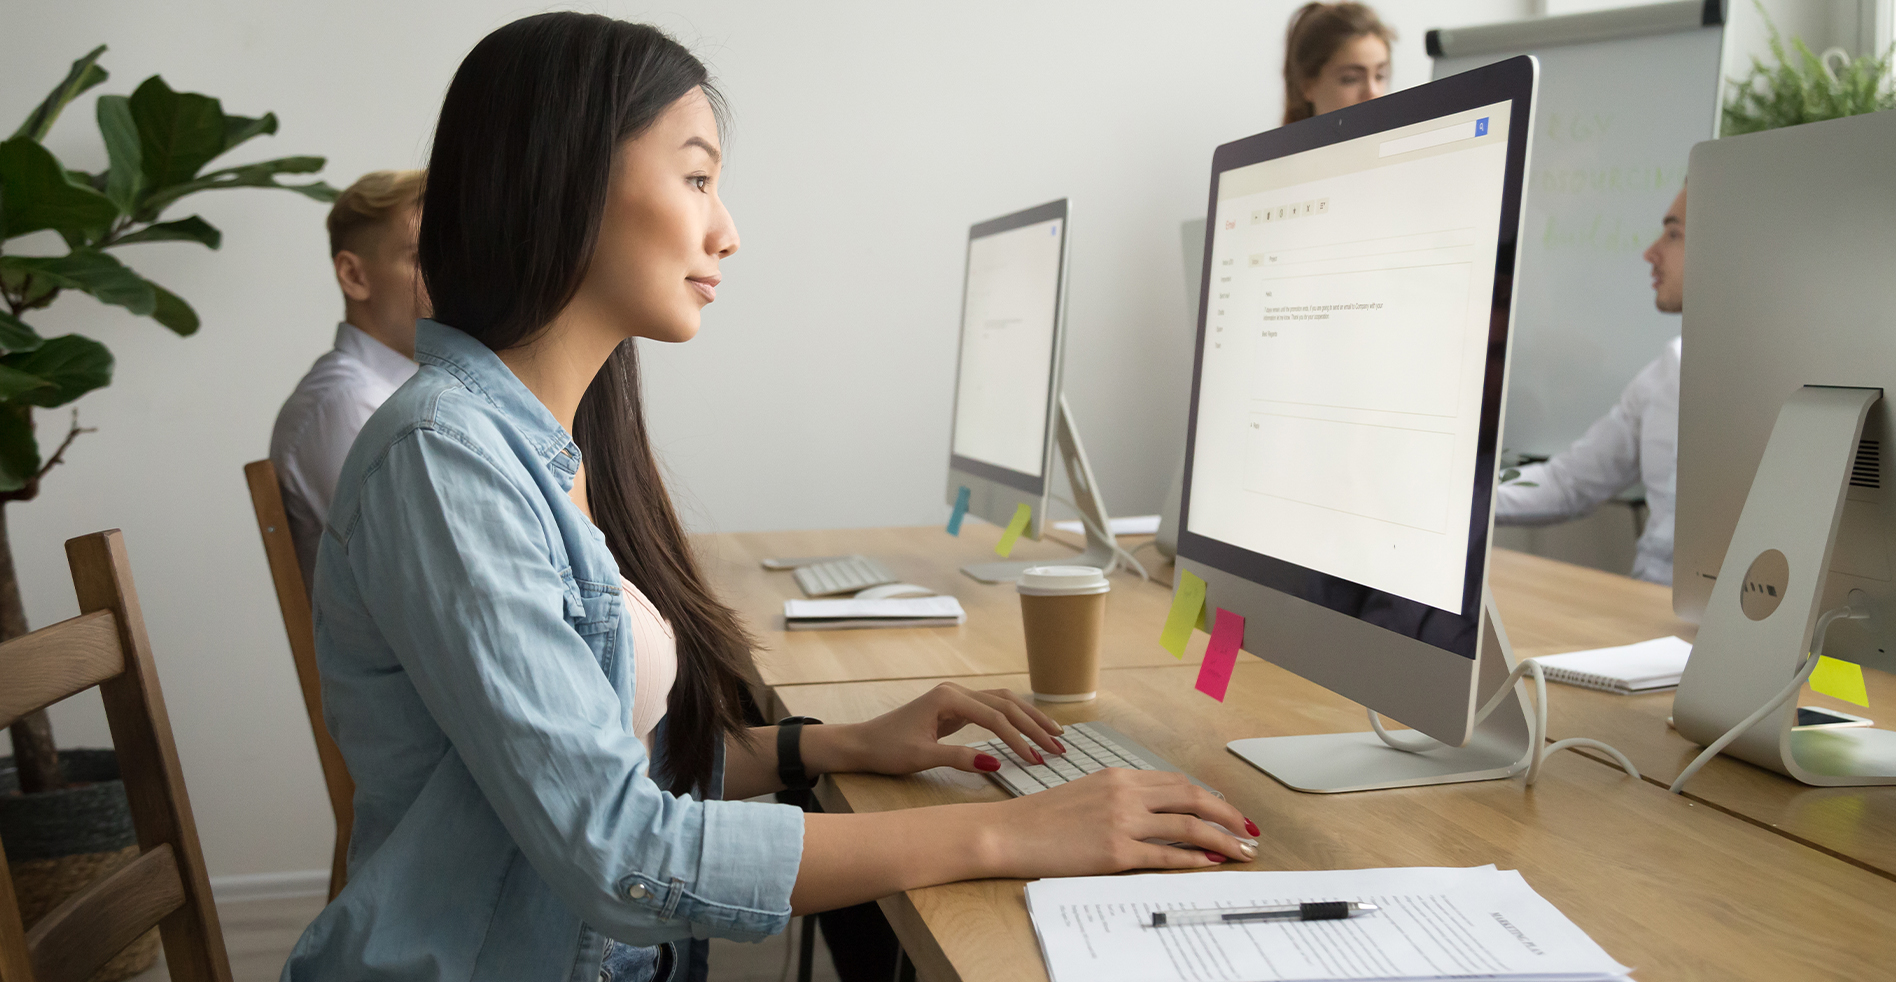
[540, 701]
[1335, 55]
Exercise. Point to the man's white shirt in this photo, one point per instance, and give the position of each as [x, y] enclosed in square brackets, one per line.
[1638, 440]
[320, 421]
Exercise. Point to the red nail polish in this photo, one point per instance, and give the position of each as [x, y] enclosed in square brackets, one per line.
[1215, 857]
[1037, 758]
[1057, 745]
[1251, 827]
[983, 762]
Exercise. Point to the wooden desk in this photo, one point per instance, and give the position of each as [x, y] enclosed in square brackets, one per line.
[990, 643]
[1669, 886]
[1550, 607]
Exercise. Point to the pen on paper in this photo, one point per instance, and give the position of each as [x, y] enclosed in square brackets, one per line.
[1329, 910]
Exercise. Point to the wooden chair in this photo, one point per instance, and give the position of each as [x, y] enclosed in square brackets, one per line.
[166, 885]
[293, 597]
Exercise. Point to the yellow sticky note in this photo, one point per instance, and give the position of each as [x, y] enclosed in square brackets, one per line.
[1022, 512]
[1840, 679]
[1188, 611]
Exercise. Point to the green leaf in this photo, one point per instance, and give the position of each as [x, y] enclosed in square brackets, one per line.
[318, 191]
[237, 129]
[193, 229]
[85, 74]
[173, 312]
[126, 178]
[257, 175]
[92, 271]
[19, 452]
[178, 132]
[72, 364]
[36, 194]
[15, 335]
[15, 383]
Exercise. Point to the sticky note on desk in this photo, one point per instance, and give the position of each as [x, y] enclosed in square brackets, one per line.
[1221, 656]
[1188, 611]
[1022, 512]
[960, 512]
[1840, 679]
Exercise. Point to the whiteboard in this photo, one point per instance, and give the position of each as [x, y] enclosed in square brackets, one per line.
[1617, 119]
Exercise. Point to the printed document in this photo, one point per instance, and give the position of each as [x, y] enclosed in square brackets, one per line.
[1473, 923]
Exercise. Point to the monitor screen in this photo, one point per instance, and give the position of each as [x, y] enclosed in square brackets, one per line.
[1009, 342]
[1343, 379]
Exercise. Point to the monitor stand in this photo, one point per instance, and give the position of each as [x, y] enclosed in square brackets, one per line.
[1102, 549]
[1327, 763]
[1769, 594]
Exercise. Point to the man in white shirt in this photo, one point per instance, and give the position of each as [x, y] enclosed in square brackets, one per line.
[1638, 440]
[372, 235]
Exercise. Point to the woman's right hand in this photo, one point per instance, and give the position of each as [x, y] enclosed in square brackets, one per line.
[1099, 824]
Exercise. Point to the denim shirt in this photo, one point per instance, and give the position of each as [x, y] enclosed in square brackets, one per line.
[477, 674]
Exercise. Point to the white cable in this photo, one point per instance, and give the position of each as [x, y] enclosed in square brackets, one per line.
[1538, 748]
[1804, 668]
[1111, 540]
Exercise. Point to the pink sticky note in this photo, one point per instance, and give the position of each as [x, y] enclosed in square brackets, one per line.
[1221, 656]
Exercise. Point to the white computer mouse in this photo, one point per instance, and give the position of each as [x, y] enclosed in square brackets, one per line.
[891, 591]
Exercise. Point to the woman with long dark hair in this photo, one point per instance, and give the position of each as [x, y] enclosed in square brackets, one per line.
[540, 701]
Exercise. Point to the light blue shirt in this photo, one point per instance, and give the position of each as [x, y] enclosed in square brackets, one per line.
[477, 674]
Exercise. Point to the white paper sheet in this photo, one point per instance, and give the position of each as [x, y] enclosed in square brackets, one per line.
[1474, 923]
[905, 608]
[1638, 667]
[1131, 525]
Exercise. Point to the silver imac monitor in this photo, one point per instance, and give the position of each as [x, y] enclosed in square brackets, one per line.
[1786, 510]
[1346, 405]
[1009, 417]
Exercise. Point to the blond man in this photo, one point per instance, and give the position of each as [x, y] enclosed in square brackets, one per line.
[372, 230]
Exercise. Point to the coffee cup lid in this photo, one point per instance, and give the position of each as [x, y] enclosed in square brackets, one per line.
[1057, 581]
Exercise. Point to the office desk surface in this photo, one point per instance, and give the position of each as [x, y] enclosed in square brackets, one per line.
[1667, 885]
[989, 643]
[1549, 607]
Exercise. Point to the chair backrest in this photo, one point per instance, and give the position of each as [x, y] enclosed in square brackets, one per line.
[166, 885]
[293, 597]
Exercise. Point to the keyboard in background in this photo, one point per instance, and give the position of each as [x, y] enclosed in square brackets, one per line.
[845, 574]
[1090, 747]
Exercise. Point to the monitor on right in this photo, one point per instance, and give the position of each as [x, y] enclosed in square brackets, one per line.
[1785, 540]
[1345, 414]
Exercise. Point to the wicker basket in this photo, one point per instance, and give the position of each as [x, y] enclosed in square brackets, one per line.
[60, 842]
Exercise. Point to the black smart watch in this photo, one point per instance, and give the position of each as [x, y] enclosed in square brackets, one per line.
[790, 753]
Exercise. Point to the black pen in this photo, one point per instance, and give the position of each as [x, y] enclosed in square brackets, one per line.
[1328, 910]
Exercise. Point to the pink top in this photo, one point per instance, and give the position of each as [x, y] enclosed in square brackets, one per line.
[654, 662]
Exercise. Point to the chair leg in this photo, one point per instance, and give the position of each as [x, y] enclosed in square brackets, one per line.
[806, 958]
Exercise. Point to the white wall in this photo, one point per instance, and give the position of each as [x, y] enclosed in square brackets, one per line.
[867, 137]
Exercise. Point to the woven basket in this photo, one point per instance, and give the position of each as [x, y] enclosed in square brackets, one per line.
[60, 842]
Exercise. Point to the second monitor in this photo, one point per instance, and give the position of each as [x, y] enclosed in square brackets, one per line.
[1009, 414]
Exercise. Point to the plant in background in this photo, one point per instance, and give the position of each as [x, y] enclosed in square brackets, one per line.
[158, 143]
[1805, 88]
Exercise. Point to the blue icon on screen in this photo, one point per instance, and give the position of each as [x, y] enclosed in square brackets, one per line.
[1481, 126]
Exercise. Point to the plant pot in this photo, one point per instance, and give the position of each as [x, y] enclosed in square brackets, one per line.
[59, 842]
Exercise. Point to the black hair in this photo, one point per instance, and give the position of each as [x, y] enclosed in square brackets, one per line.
[516, 192]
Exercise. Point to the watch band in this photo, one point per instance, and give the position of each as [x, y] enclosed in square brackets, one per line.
[790, 753]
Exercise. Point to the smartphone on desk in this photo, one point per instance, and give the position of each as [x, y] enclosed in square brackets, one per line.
[1813, 718]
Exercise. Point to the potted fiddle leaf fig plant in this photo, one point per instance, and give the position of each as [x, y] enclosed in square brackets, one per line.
[63, 816]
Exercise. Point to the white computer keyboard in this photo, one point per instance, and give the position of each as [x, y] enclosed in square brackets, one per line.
[1090, 747]
[845, 575]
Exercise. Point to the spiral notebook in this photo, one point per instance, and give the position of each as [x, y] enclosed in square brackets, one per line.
[1644, 667]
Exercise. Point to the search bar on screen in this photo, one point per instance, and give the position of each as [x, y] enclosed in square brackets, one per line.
[1434, 138]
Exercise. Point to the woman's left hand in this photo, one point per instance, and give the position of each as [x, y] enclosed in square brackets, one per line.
[908, 739]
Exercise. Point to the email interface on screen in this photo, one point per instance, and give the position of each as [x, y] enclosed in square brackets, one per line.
[1340, 394]
[1007, 321]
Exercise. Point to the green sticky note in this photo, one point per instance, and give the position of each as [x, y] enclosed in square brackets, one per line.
[1022, 512]
[1188, 611]
[1840, 679]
